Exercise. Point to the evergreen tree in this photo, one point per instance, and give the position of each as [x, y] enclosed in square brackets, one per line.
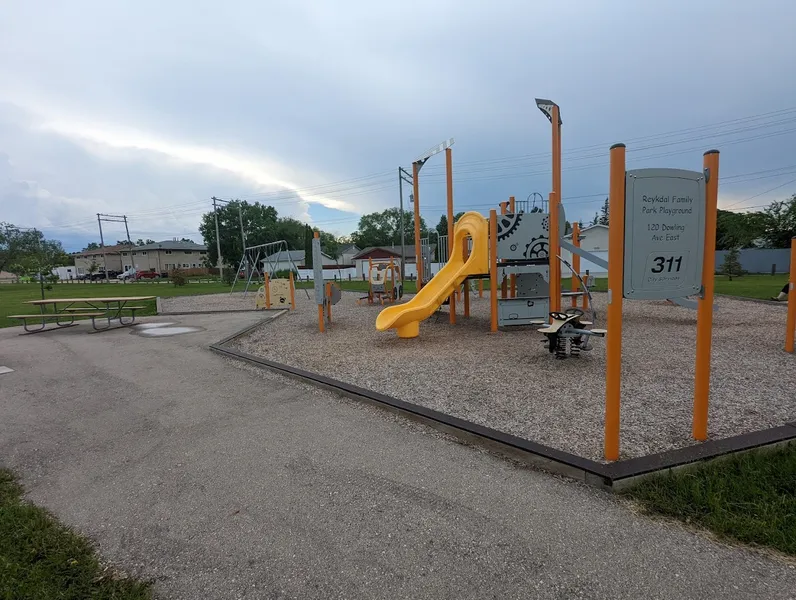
[731, 265]
[308, 235]
[605, 213]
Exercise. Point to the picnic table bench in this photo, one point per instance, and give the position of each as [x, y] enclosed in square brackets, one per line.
[65, 312]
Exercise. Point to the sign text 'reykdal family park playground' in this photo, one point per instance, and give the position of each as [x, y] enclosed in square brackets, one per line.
[664, 233]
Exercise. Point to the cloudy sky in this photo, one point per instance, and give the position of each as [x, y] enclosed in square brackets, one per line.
[150, 108]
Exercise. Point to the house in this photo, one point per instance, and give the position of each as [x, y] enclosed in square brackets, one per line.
[362, 258]
[286, 260]
[6, 277]
[165, 256]
[105, 258]
[594, 239]
[347, 254]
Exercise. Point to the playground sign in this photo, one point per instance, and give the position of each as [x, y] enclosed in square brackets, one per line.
[664, 233]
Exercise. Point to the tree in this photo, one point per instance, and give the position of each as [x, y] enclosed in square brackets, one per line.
[93, 246]
[259, 223]
[740, 230]
[580, 224]
[124, 243]
[442, 226]
[780, 227]
[567, 227]
[384, 228]
[140, 242]
[731, 265]
[329, 244]
[15, 243]
[308, 236]
[458, 216]
[39, 258]
[605, 214]
[186, 240]
[92, 268]
[596, 219]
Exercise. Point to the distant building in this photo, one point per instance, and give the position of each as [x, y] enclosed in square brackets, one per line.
[106, 258]
[165, 256]
[362, 258]
[347, 254]
[286, 260]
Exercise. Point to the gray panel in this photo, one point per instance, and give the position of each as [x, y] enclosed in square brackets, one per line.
[317, 270]
[521, 311]
[336, 294]
[531, 285]
[664, 233]
[523, 236]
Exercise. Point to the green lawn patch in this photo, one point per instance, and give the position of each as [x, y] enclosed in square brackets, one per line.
[750, 497]
[762, 287]
[42, 559]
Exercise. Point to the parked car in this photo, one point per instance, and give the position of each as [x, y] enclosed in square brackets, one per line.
[128, 274]
[147, 275]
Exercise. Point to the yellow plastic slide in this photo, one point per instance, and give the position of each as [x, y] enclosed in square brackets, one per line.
[406, 317]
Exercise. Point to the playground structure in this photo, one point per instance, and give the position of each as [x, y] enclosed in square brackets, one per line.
[261, 261]
[384, 282]
[279, 293]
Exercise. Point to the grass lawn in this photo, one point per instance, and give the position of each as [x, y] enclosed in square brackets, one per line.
[750, 498]
[762, 287]
[14, 295]
[40, 558]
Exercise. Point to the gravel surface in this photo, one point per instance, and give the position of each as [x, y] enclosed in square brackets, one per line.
[510, 382]
[207, 302]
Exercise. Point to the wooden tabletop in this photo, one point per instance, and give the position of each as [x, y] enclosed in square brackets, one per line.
[110, 299]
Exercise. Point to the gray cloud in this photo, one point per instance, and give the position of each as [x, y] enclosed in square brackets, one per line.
[107, 108]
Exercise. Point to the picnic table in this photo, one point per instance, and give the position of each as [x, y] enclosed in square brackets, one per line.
[65, 312]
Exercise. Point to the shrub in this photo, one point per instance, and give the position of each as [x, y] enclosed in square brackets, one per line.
[229, 275]
[178, 277]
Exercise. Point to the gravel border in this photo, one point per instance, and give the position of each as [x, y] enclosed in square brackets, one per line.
[508, 380]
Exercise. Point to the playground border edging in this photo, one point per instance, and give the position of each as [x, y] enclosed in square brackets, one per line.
[611, 476]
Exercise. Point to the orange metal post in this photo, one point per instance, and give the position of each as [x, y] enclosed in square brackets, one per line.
[699, 427]
[493, 269]
[555, 267]
[267, 292]
[370, 286]
[393, 294]
[292, 292]
[556, 152]
[480, 288]
[418, 256]
[449, 188]
[790, 333]
[320, 306]
[512, 277]
[613, 340]
[575, 263]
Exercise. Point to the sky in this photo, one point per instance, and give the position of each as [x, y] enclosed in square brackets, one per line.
[148, 109]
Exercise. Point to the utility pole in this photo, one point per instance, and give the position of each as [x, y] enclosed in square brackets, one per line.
[130, 245]
[243, 239]
[102, 245]
[219, 262]
[402, 176]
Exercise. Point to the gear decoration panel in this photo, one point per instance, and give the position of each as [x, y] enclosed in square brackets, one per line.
[523, 236]
[522, 311]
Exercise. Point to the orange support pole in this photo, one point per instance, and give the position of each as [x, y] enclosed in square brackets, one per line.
[554, 266]
[418, 255]
[480, 288]
[613, 340]
[575, 263]
[790, 332]
[320, 306]
[292, 292]
[512, 277]
[704, 340]
[449, 190]
[556, 121]
[493, 269]
[267, 292]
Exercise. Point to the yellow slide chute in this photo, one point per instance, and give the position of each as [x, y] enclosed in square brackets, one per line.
[405, 318]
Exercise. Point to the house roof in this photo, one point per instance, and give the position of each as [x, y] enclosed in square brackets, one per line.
[348, 248]
[409, 251]
[170, 245]
[297, 256]
[115, 249]
[585, 229]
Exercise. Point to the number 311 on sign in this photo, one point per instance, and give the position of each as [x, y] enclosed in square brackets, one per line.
[669, 264]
